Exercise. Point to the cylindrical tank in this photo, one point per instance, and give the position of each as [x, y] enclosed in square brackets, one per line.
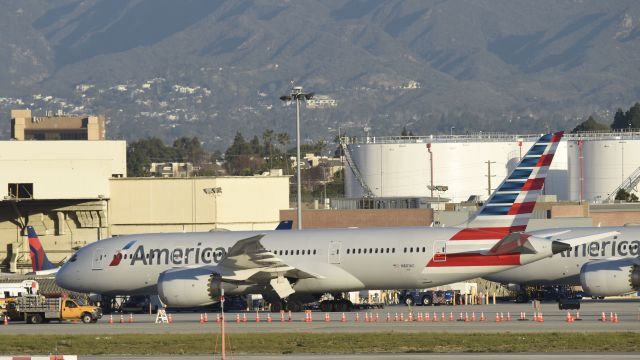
[403, 169]
[605, 165]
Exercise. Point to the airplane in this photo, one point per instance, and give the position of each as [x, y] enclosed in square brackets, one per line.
[291, 268]
[607, 266]
[40, 264]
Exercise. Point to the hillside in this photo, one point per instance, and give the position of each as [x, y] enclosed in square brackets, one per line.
[210, 68]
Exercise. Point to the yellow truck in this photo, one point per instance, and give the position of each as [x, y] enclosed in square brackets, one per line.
[36, 309]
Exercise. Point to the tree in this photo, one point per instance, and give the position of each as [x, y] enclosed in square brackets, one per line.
[626, 196]
[267, 140]
[590, 125]
[141, 153]
[283, 140]
[626, 120]
[190, 150]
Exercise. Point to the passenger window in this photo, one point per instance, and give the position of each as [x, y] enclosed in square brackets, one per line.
[347, 251]
[405, 249]
[424, 249]
[314, 251]
[302, 252]
[393, 250]
[359, 251]
[286, 252]
[387, 250]
[376, 250]
[411, 250]
[370, 251]
[297, 252]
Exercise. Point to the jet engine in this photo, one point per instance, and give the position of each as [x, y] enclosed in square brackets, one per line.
[610, 277]
[189, 287]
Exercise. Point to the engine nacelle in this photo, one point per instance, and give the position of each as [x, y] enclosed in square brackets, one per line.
[192, 287]
[610, 277]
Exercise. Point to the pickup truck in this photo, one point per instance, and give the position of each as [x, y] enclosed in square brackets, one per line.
[36, 309]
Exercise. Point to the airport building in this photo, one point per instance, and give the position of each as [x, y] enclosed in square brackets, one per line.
[24, 126]
[587, 166]
[74, 192]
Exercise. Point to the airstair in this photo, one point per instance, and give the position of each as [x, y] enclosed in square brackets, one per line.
[628, 184]
[355, 170]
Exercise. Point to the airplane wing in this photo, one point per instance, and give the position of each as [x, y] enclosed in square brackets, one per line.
[248, 260]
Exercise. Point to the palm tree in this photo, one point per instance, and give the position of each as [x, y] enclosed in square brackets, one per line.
[283, 140]
[267, 139]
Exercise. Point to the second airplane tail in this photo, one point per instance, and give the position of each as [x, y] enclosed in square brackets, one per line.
[39, 260]
[510, 206]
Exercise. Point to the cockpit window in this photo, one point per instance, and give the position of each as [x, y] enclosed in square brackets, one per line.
[73, 258]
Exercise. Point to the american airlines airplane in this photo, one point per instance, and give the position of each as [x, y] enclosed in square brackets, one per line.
[607, 266]
[291, 268]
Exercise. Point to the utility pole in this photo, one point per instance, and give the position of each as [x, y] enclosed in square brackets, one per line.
[489, 176]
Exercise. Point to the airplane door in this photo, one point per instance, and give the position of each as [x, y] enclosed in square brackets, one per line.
[440, 251]
[334, 252]
[99, 259]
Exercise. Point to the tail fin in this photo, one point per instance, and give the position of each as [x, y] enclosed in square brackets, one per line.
[285, 225]
[510, 206]
[39, 260]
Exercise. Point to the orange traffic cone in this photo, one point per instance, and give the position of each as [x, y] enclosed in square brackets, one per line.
[269, 317]
[473, 316]
[508, 316]
[615, 318]
[377, 317]
[358, 317]
[244, 317]
[482, 318]
[535, 316]
[540, 317]
[130, 318]
[395, 317]
[110, 320]
[466, 317]
[121, 319]
[289, 319]
[257, 317]
[206, 317]
[201, 319]
[501, 316]
[6, 320]
[451, 316]
[460, 318]
[497, 317]
[401, 316]
[568, 318]
[170, 318]
[237, 318]
[410, 317]
[426, 316]
[388, 317]
[603, 317]
[419, 319]
[611, 317]
[435, 316]
[281, 315]
[327, 318]
[344, 318]
[442, 318]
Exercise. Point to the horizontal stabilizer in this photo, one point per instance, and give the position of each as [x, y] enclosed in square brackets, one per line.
[513, 243]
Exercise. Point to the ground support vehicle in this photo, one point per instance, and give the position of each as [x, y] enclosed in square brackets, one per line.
[36, 309]
[427, 297]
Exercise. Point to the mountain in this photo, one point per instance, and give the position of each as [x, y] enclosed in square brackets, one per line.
[213, 67]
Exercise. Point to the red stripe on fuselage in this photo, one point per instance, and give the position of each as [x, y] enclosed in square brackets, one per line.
[522, 208]
[467, 259]
[557, 136]
[487, 233]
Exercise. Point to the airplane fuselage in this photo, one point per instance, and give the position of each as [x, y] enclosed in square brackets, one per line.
[564, 268]
[344, 259]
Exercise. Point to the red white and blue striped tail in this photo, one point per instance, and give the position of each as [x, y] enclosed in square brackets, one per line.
[510, 206]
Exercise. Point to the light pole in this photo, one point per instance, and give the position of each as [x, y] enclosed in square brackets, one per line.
[214, 191]
[451, 132]
[297, 94]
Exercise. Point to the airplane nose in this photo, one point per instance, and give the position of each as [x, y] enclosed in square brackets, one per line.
[67, 278]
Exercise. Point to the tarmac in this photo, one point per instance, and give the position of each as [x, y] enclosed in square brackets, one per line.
[555, 320]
